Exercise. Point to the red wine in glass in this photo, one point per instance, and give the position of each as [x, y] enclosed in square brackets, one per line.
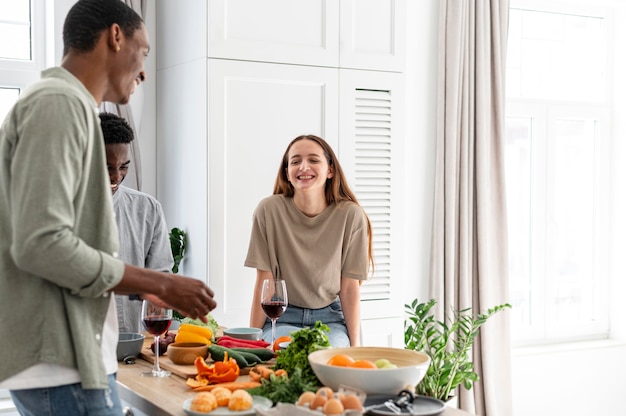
[157, 325]
[274, 309]
[274, 301]
[156, 320]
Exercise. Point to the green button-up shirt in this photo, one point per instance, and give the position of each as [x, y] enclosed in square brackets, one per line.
[58, 239]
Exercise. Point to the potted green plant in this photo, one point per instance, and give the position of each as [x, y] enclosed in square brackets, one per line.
[447, 343]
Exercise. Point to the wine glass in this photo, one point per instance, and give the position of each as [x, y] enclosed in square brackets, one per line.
[156, 320]
[274, 301]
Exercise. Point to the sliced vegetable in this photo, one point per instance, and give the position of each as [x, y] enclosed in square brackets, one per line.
[223, 371]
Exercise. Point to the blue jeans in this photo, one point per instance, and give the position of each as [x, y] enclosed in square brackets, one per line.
[69, 400]
[296, 318]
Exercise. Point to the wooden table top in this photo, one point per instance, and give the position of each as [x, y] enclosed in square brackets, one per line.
[165, 396]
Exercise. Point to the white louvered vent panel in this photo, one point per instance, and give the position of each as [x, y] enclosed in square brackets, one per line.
[372, 181]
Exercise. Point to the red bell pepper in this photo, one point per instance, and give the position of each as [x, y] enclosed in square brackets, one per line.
[230, 342]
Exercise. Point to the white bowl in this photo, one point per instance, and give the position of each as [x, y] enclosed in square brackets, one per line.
[253, 334]
[411, 368]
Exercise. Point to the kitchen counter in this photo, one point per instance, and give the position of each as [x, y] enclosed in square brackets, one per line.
[165, 396]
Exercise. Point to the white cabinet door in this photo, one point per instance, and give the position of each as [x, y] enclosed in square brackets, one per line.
[284, 31]
[358, 34]
[388, 332]
[255, 110]
[372, 34]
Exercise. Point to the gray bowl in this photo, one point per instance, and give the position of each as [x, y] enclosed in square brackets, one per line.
[253, 334]
[129, 345]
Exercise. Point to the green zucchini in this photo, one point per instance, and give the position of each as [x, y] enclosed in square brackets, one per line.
[251, 358]
[263, 353]
[217, 354]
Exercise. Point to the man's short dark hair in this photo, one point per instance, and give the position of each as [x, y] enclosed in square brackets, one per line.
[115, 129]
[88, 18]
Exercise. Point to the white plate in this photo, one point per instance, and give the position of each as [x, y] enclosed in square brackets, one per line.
[258, 402]
[422, 406]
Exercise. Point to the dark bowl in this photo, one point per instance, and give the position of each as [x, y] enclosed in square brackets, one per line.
[129, 345]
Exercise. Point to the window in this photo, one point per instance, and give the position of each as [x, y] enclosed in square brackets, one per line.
[557, 164]
[23, 57]
[15, 25]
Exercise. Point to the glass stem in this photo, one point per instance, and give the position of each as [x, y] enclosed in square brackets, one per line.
[156, 354]
[273, 331]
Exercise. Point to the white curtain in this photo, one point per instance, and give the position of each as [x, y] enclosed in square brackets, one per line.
[469, 246]
[132, 112]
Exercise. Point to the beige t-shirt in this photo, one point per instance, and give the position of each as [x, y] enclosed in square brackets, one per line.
[312, 253]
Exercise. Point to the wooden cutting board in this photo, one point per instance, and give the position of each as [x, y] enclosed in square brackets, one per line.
[184, 371]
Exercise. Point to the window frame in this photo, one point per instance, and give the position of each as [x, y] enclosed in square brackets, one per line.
[21, 73]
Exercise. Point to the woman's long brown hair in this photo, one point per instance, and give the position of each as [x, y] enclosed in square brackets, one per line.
[336, 189]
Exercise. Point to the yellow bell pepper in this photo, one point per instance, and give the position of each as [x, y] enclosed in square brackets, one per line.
[200, 330]
[188, 336]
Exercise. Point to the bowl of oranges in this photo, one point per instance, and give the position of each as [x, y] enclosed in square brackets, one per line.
[374, 370]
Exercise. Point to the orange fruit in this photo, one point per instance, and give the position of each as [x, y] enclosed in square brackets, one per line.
[326, 392]
[193, 383]
[318, 401]
[351, 402]
[363, 364]
[306, 398]
[333, 407]
[340, 360]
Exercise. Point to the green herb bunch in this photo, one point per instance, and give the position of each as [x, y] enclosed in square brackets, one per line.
[296, 355]
[284, 389]
[178, 242]
[447, 343]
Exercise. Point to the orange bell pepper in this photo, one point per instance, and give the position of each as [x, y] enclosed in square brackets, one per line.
[219, 372]
[224, 371]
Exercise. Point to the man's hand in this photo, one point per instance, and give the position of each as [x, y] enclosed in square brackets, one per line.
[189, 296]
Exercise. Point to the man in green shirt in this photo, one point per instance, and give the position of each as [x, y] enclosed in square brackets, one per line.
[59, 265]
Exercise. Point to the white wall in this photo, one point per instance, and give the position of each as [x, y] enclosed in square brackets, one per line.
[421, 96]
